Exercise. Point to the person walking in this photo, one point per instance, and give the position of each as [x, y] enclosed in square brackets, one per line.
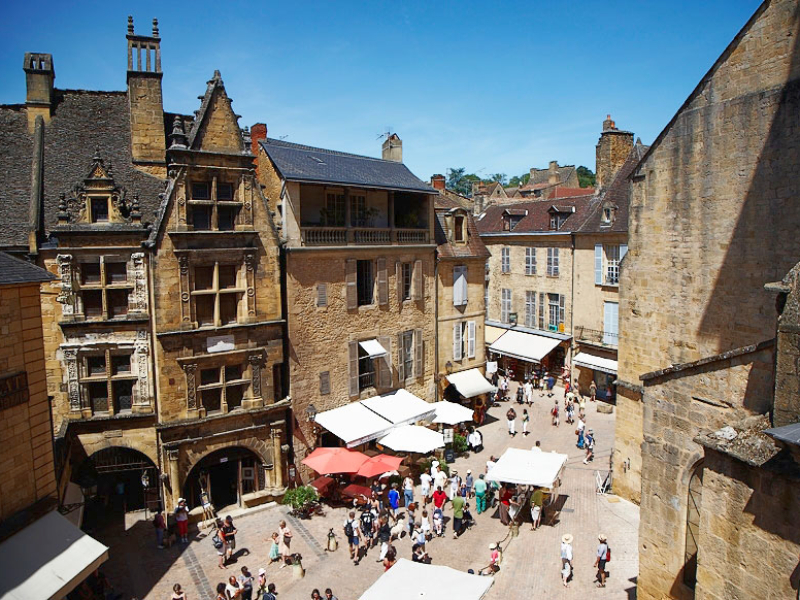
[246, 581]
[440, 481]
[160, 525]
[593, 391]
[505, 504]
[230, 537]
[411, 513]
[261, 583]
[469, 483]
[511, 416]
[284, 542]
[582, 407]
[601, 559]
[352, 532]
[221, 591]
[566, 550]
[551, 382]
[554, 413]
[182, 520]
[589, 444]
[368, 516]
[329, 594]
[408, 490]
[458, 514]
[178, 593]
[274, 549]
[579, 431]
[455, 485]
[528, 387]
[425, 525]
[394, 502]
[537, 501]
[526, 419]
[480, 493]
[233, 590]
[425, 481]
[220, 543]
[439, 498]
[272, 593]
[384, 535]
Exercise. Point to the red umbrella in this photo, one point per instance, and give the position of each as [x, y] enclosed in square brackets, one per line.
[334, 460]
[379, 464]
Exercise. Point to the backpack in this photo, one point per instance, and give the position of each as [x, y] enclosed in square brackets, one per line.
[348, 529]
[216, 541]
[608, 553]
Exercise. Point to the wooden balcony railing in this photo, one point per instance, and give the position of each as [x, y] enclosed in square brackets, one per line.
[343, 236]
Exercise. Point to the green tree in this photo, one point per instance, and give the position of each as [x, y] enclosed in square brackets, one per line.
[459, 182]
[519, 180]
[585, 177]
[500, 178]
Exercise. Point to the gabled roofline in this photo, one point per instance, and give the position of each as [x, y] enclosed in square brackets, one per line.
[696, 91]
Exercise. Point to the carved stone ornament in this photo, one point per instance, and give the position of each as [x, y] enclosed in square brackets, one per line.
[99, 183]
[66, 295]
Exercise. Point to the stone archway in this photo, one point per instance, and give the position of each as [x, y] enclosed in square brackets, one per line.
[225, 477]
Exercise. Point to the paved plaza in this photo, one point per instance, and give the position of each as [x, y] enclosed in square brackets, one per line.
[531, 561]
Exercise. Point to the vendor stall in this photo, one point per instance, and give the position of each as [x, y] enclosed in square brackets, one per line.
[531, 468]
[408, 580]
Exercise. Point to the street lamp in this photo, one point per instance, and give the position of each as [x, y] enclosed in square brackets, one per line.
[311, 412]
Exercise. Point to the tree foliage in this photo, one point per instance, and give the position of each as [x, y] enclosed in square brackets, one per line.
[519, 180]
[586, 178]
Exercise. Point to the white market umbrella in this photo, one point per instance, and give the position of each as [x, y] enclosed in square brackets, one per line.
[413, 438]
[451, 413]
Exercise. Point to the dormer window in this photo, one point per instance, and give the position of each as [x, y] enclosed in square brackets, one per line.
[460, 229]
[557, 220]
[511, 218]
[99, 208]
[608, 215]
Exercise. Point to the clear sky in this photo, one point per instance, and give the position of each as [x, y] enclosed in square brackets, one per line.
[490, 86]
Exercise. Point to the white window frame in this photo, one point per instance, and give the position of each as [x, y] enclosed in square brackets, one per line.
[530, 261]
[553, 262]
[530, 309]
[505, 260]
[505, 305]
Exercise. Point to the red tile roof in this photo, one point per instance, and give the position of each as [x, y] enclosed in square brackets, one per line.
[538, 217]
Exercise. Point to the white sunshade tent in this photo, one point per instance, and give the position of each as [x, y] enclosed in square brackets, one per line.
[413, 438]
[598, 363]
[353, 423]
[47, 559]
[451, 413]
[528, 467]
[470, 383]
[373, 348]
[408, 580]
[400, 407]
[524, 346]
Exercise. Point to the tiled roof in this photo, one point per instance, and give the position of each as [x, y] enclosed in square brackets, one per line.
[296, 162]
[13, 270]
[618, 194]
[474, 248]
[83, 122]
[538, 217]
[566, 192]
[539, 176]
[449, 199]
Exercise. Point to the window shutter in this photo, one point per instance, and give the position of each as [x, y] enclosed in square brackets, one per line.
[457, 342]
[598, 264]
[463, 285]
[398, 267]
[418, 292]
[555, 261]
[561, 308]
[623, 250]
[325, 383]
[401, 358]
[471, 339]
[353, 349]
[419, 354]
[459, 285]
[352, 289]
[385, 365]
[322, 294]
[383, 283]
[541, 310]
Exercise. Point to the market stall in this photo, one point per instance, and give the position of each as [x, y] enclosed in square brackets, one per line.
[408, 580]
[531, 469]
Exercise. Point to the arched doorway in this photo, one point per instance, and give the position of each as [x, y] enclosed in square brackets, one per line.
[116, 481]
[224, 477]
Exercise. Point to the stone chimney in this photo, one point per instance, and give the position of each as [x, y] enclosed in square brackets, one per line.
[786, 408]
[438, 181]
[392, 148]
[552, 172]
[144, 96]
[39, 77]
[611, 152]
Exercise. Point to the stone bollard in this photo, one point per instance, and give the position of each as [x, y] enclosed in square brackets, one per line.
[298, 572]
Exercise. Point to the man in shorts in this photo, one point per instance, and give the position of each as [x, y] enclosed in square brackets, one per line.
[537, 500]
[352, 532]
[600, 560]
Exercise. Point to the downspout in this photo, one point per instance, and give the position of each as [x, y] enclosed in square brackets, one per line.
[436, 318]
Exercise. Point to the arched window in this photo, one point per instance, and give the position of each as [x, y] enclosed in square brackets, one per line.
[693, 503]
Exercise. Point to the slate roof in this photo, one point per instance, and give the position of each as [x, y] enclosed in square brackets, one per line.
[789, 434]
[567, 192]
[538, 218]
[296, 162]
[474, 248]
[82, 122]
[16, 271]
[448, 199]
[618, 194]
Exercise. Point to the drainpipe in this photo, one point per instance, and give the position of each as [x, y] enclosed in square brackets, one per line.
[436, 317]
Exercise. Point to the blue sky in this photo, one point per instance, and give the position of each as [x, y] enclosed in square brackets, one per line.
[490, 86]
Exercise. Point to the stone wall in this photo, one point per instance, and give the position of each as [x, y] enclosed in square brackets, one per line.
[749, 532]
[611, 152]
[713, 213]
[26, 453]
[147, 117]
[677, 407]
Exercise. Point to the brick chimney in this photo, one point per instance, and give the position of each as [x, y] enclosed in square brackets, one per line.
[39, 77]
[392, 148]
[552, 172]
[438, 181]
[611, 152]
[144, 95]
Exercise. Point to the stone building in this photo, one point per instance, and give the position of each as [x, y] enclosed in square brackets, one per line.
[530, 280]
[28, 488]
[713, 219]
[461, 312]
[167, 275]
[360, 270]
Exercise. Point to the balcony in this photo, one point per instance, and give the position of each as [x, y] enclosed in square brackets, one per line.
[362, 236]
[595, 337]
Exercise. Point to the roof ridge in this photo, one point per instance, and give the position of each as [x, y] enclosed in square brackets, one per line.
[308, 148]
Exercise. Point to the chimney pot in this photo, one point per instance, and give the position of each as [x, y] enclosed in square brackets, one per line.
[438, 181]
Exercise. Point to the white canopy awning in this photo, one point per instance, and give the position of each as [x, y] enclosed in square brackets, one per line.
[470, 383]
[524, 346]
[47, 559]
[408, 580]
[490, 333]
[400, 407]
[606, 365]
[353, 423]
[413, 438]
[451, 413]
[526, 467]
[373, 348]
